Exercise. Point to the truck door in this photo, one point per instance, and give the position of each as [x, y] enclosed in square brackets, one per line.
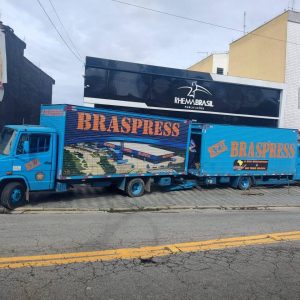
[36, 165]
[195, 150]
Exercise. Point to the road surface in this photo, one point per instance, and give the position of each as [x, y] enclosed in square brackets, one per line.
[267, 270]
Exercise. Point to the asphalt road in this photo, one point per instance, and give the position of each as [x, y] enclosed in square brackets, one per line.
[251, 272]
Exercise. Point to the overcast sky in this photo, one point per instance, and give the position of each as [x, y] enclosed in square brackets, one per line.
[104, 28]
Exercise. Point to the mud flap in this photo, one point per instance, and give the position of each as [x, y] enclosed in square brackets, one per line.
[27, 194]
[148, 182]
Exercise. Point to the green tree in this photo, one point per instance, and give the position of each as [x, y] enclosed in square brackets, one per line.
[106, 166]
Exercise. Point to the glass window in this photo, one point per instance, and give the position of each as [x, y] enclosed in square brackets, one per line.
[220, 71]
[37, 143]
[6, 140]
[95, 84]
[129, 86]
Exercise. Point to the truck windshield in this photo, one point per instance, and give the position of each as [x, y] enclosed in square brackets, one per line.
[6, 140]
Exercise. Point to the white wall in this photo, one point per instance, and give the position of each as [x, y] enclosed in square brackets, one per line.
[220, 60]
[291, 106]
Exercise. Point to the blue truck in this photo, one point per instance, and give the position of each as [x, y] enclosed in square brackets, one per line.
[131, 152]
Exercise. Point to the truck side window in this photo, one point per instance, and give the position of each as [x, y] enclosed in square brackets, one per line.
[37, 143]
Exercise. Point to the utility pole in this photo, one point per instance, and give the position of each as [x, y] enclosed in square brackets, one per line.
[293, 3]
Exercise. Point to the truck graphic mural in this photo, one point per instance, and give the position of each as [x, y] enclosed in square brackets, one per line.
[107, 143]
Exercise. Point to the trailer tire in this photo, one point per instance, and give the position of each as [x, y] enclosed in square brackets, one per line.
[135, 187]
[244, 183]
[13, 195]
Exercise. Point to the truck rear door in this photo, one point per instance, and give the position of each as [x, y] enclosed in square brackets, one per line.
[36, 165]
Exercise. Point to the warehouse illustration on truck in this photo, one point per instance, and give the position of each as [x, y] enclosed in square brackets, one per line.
[123, 151]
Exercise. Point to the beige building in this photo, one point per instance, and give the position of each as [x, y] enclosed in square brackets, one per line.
[269, 53]
[214, 63]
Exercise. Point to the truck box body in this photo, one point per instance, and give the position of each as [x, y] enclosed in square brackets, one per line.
[235, 151]
[104, 143]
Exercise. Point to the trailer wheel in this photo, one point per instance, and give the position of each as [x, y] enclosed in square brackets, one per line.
[135, 187]
[13, 195]
[244, 183]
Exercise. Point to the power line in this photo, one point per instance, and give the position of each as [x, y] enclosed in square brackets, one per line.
[64, 28]
[64, 41]
[177, 16]
[202, 22]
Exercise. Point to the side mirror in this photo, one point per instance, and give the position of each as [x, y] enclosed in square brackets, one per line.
[26, 147]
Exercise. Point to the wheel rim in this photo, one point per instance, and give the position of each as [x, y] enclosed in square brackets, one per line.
[16, 195]
[136, 188]
[245, 183]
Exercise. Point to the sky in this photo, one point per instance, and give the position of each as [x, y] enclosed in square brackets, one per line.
[112, 30]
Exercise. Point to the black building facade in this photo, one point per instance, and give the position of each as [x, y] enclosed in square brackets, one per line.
[27, 86]
[178, 93]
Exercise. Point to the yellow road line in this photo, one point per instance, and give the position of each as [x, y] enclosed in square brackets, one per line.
[145, 252]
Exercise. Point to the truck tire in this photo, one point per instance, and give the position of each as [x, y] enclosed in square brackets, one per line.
[244, 183]
[13, 195]
[135, 187]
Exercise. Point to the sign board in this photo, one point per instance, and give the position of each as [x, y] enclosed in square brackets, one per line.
[178, 93]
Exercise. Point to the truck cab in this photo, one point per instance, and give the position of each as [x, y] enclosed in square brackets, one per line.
[27, 162]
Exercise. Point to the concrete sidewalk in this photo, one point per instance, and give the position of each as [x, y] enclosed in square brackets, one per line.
[85, 198]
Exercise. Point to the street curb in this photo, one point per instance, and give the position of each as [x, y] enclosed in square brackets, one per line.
[141, 209]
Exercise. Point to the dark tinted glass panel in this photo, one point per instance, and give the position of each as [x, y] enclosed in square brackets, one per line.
[201, 118]
[213, 96]
[183, 90]
[109, 64]
[128, 86]
[95, 83]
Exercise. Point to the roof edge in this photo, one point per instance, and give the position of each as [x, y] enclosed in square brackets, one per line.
[252, 31]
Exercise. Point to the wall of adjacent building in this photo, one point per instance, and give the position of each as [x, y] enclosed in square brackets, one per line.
[205, 65]
[27, 86]
[272, 59]
[211, 63]
[291, 107]
[255, 56]
[220, 60]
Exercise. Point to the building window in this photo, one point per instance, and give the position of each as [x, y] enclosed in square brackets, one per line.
[220, 71]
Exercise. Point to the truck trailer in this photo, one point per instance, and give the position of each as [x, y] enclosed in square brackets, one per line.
[131, 152]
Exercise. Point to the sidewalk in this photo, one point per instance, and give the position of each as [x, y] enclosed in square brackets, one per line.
[83, 198]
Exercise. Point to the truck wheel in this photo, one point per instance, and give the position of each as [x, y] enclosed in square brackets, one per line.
[13, 195]
[135, 187]
[244, 183]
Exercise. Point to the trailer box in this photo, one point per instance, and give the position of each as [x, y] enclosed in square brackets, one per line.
[245, 151]
[101, 143]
